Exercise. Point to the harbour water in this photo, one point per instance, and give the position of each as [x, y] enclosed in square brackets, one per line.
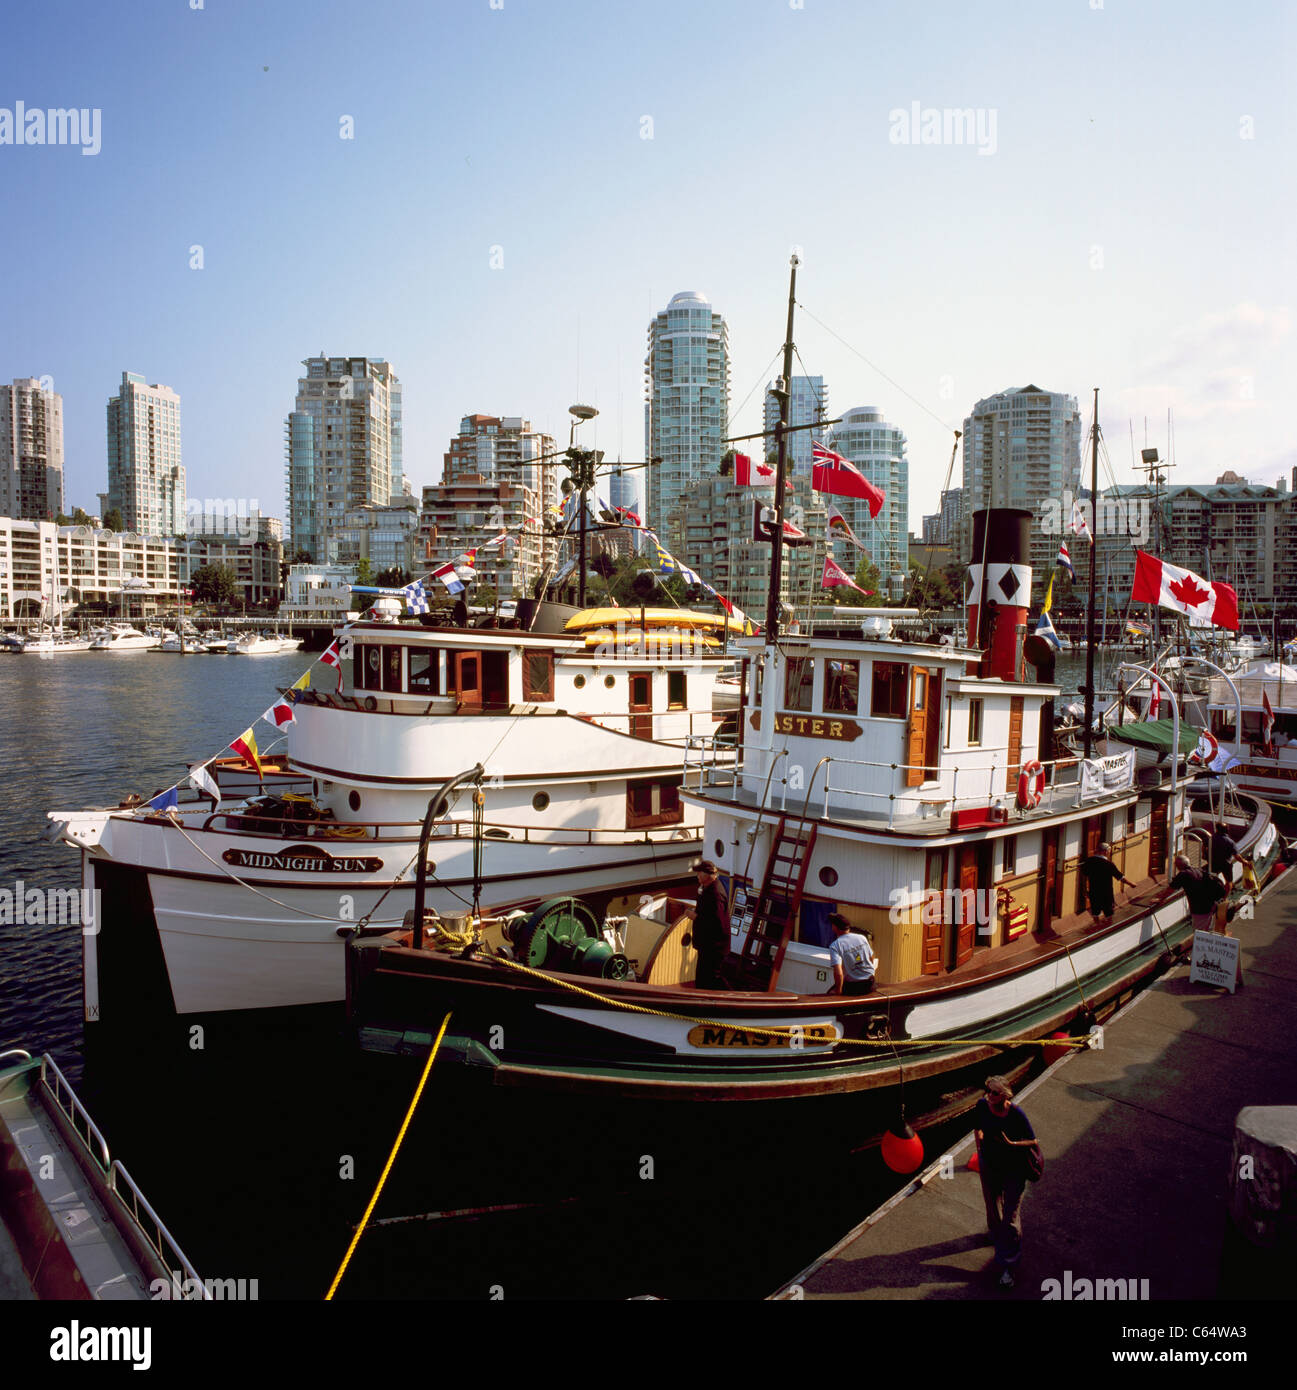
[260, 1139]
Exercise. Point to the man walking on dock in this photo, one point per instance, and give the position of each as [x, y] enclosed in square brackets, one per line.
[1003, 1134]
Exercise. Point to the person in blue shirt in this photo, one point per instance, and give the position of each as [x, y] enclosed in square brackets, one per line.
[854, 962]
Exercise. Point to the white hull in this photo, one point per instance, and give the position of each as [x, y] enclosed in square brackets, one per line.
[276, 939]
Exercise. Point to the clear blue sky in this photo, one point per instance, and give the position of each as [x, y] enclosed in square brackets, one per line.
[1124, 233]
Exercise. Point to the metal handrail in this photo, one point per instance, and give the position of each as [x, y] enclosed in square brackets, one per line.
[162, 1241]
[74, 1110]
[300, 830]
[1056, 785]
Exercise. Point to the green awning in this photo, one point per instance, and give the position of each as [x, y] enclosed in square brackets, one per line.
[1156, 734]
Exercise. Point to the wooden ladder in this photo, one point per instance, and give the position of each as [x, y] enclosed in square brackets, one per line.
[774, 916]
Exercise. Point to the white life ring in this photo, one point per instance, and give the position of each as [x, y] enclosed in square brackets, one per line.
[1206, 750]
[1031, 783]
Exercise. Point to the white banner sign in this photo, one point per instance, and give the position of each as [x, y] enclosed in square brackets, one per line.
[1215, 960]
[1103, 776]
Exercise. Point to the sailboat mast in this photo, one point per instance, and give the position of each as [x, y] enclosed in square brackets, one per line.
[1089, 613]
[781, 466]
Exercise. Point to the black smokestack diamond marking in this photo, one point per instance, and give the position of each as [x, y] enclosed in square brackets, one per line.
[1009, 583]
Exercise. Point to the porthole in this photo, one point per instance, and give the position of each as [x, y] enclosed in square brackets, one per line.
[720, 849]
[353, 800]
[610, 681]
[579, 682]
[828, 876]
[540, 801]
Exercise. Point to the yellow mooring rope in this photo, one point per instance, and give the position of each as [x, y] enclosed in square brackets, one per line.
[387, 1167]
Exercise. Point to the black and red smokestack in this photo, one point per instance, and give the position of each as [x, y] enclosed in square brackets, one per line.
[999, 590]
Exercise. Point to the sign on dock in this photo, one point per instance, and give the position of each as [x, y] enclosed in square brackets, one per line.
[1215, 959]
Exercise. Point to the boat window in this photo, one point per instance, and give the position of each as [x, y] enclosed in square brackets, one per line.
[1010, 855]
[368, 670]
[758, 679]
[799, 677]
[1130, 819]
[392, 669]
[841, 686]
[425, 671]
[538, 675]
[676, 690]
[891, 690]
[653, 802]
[974, 723]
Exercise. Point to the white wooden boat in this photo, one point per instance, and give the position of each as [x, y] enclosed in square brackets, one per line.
[582, 733]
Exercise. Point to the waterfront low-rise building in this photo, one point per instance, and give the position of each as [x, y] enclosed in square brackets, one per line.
[45, 568]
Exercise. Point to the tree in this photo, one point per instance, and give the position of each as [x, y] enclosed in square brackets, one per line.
[113, 520]
[930, 588]
[364, 574]
[215, 584]
[302, 557]
[394, 578]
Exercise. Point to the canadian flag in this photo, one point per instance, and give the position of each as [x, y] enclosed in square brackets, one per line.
[1158, 582]
[1155, 699]
[1267, 724]
[749, 474]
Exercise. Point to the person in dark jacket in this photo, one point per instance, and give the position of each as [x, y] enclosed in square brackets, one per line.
[1203, 891]
[1100, 874]
[711, 929]
[1223, 852]
[1002, 1133]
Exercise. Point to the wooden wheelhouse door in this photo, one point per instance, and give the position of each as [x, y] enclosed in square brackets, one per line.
[468, 678]
[966, 927]
[1047, 903]
[1157, 839]
[1091, 838]
[641, 704]
[934, 911]
[921, 718]
[1015, 743]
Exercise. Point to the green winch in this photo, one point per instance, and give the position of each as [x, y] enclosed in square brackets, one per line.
[563, 934]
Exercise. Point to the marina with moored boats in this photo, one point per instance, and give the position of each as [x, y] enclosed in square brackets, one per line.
[472, 845]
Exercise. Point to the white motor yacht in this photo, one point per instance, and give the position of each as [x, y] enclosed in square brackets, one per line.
[122, 637]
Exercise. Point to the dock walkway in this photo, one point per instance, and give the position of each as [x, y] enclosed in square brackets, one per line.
[1137, 1140]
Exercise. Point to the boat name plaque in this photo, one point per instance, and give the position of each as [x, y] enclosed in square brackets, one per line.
[303, 859]
[811, 1034]
[817, 726]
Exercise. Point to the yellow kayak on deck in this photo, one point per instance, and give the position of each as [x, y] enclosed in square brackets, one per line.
[653, 617]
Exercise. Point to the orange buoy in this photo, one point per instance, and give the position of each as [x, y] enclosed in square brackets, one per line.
[975, 1162]
[903, 1151]
[1054, 1054]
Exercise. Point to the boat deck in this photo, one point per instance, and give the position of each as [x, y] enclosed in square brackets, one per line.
[41, 1172]
[1137, 1140]
[1070, 930]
